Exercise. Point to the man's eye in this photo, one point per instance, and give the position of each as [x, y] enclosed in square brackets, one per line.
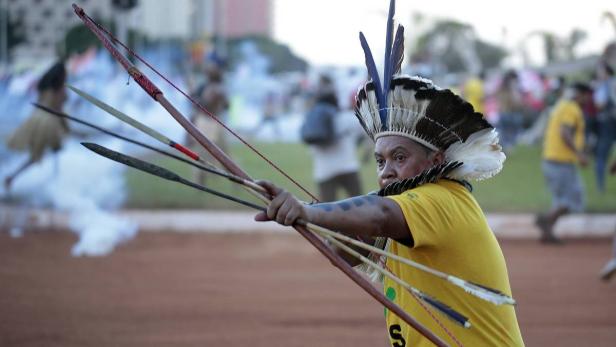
[380, 162]
[400, 158]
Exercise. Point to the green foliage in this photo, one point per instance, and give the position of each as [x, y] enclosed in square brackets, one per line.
[15, 30]
[559, 48]
[79, 38]
[518, 188]
[447, 33]
[281, 58]
[490, 55]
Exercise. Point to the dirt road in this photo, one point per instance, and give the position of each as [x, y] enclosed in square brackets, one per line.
[170, 289]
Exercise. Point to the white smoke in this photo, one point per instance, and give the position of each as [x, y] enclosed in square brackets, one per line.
[84, 187]
[75, 181]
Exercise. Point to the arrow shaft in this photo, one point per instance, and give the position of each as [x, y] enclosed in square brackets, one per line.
[235, 169]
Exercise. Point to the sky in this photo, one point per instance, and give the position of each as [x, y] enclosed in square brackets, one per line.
[326, 31]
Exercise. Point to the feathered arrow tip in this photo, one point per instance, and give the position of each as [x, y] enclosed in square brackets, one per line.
[171, 176]
[449, 312]
[488, 294]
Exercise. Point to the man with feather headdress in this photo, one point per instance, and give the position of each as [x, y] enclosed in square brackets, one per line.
[428, 144]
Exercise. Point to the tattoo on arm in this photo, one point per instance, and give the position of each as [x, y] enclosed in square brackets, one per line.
[348, 204]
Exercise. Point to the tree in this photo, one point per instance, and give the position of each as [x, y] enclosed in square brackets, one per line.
[556, 48]
[574, 39]
[456, 46]
[609, 16]
[15, 30]
[281, 58]
[79, 38]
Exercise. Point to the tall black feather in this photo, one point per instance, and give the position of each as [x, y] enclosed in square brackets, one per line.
[388, 47]
[374, 75]
[397, 51]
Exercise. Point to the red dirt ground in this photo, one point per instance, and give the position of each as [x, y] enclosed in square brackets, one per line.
[170, 289]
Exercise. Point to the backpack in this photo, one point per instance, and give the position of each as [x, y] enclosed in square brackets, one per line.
[318, 127]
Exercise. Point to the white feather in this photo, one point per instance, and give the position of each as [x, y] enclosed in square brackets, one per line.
[495, 298]
[481, 154]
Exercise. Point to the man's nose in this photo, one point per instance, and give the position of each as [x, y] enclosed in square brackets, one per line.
[388, 171]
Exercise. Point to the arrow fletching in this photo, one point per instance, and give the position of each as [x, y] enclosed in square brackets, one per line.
[449, 312]
[488, 294]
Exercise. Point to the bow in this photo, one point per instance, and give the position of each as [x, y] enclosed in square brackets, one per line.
[233, 168]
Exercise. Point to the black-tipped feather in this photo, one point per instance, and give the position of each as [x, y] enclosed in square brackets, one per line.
[388, 50]
[397, 51]
[446, 310]
[374, 75]
[495, 291]
[427, 176]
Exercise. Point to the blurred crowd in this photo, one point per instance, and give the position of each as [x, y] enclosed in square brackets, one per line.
[519, 104]
[286, 107]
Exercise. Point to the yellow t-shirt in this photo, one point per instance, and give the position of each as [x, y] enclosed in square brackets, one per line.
[450, 234]
[473, 93]
[568, 113]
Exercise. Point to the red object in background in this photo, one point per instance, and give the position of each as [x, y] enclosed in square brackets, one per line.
[590, 109]
[536, 104]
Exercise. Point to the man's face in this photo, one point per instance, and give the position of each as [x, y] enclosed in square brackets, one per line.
[582, 98]
[398, 157]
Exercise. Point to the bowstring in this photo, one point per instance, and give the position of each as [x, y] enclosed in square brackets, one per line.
[202, 108]
[431, 314]
[256, 151]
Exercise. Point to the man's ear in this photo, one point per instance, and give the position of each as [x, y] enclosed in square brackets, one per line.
[438, 158]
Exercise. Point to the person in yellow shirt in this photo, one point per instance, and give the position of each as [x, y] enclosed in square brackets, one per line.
[428, 143]
[473, 92]
[425, 210]
[563, 149]
[609, 269]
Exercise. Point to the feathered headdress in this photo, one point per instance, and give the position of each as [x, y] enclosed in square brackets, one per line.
[416, 108]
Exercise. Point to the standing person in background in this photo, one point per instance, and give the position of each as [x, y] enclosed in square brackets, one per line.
[473, 92]
[563, 149]
[214, 98]
[554, 92]
[510, 110]
[609, 269]
[335, 163]
[605, 101]
[41, 131]
[270, 114]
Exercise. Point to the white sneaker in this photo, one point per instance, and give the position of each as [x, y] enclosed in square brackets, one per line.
[608, 270]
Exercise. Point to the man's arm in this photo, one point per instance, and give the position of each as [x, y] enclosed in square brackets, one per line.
[365, 217]
[567, 134]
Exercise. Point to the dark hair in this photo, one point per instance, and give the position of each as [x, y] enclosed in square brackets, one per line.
[328, 98]
[581, 87]
[325, 80]
[608, 69]
[214, 73]
[510, 75]
[54, 78]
